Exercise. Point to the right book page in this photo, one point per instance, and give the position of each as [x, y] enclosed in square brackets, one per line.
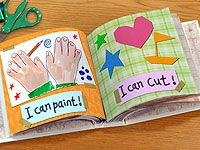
[137, 59]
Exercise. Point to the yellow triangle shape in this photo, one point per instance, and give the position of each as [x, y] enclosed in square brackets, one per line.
[161, 37]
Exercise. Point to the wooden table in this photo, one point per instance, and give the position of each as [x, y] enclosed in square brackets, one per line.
[176, 132]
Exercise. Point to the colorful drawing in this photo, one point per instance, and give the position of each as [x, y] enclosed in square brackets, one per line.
[29, 74]
[35, 48]
[11, 87]
[17, 96]
[47, 43]
[33, 76]
[134, 36]
[112, 61]
[36, 69]
[63, 64]
[100, 40]
[160, 59]
[75, 36]
[84, 72]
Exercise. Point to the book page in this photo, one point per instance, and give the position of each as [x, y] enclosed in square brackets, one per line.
[139, 58]
[48, 76]
[192, 33]
[181, 104]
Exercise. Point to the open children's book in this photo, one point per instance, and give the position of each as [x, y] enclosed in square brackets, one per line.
[131, 69]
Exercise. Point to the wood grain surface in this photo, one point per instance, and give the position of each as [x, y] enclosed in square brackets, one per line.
[176, 132]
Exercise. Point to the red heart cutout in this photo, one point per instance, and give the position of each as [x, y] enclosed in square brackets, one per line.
[134, 36]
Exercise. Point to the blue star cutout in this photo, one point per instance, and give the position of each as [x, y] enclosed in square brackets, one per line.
[112, 61]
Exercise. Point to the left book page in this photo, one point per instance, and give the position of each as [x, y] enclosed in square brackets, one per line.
[48, 76]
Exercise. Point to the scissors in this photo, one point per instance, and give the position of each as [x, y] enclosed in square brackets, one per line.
[18, 20]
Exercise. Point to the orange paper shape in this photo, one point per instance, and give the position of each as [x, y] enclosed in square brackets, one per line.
[160, 59]
[161, 37]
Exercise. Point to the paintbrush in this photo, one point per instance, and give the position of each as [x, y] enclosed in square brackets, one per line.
[34, 48]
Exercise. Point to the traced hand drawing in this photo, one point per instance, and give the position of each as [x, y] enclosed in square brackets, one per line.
[29, 74]
[63, 64]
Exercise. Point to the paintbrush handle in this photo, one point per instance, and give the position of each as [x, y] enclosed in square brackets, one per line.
[34, 48]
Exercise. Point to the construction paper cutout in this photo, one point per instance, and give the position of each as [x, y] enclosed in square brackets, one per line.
[148, 83]
[160, 59]
[100, 40]
[134, 36]
[52, 106]
[112, 61]
[161, 37]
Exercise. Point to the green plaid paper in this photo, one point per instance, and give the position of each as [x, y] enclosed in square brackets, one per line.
[134, 60]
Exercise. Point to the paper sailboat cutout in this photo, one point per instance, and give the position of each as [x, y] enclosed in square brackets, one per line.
[161, 59]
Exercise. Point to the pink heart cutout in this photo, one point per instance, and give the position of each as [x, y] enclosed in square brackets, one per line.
[134, 36]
